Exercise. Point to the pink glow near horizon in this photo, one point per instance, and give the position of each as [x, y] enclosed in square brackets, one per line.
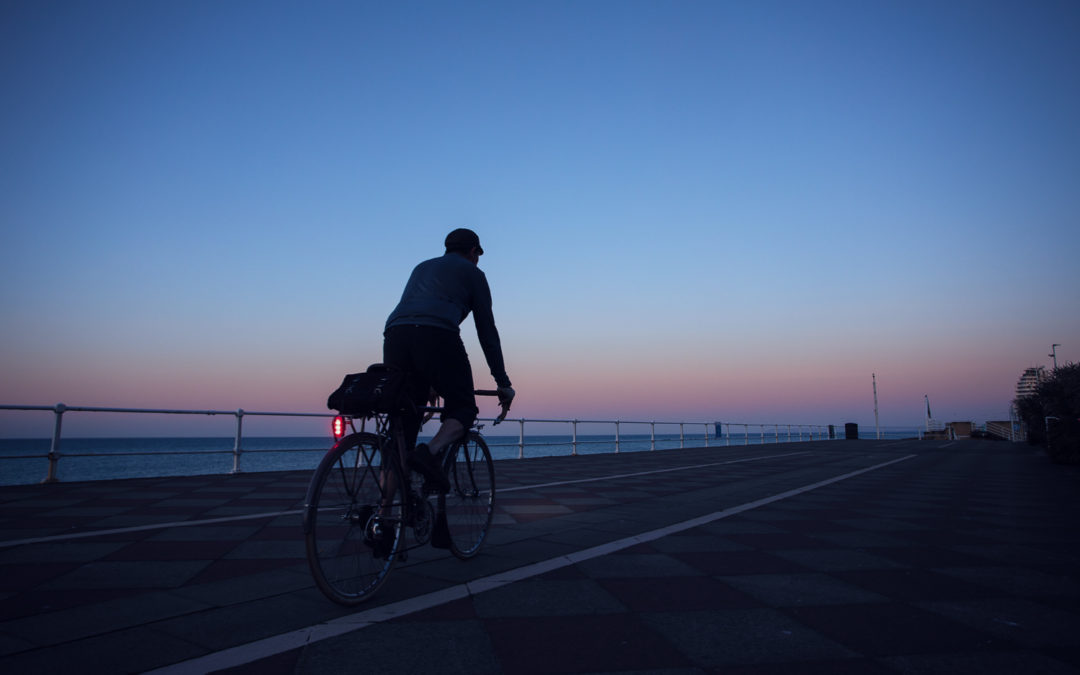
[734, 376]
[560, 391]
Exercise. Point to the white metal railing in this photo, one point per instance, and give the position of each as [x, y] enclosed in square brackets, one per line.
[794, 432]
[777, 433]
[60, 409]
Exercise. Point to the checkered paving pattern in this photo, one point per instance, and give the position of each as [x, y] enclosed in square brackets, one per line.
[963, 558]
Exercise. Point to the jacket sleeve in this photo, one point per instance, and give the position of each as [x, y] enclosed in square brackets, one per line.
[486, 331]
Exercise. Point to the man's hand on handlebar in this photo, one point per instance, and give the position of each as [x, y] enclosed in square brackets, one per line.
[506, 397]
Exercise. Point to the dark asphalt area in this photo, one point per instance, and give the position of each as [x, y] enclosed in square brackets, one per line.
[814, 557]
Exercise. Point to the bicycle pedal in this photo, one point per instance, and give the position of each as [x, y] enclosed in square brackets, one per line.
[430, 490]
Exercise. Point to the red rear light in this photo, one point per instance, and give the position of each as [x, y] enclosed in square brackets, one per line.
[340, 426]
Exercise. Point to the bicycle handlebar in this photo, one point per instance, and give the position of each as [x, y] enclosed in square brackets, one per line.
[492, 392]
[477, 392]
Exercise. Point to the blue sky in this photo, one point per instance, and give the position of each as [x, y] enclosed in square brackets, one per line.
[691, 210]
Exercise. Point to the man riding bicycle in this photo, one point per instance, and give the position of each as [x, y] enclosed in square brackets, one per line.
[423, 338]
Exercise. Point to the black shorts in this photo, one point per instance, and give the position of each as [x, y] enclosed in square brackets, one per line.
[435, 358]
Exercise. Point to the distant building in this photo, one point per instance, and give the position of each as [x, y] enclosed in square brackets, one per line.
[1030, 381]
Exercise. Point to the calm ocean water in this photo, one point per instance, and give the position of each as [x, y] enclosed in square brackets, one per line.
[23, 461]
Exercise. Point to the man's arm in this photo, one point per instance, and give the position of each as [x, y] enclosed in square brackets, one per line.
[487, 333]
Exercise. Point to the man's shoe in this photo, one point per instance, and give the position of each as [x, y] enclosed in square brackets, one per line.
[427, 465]
[381, 539]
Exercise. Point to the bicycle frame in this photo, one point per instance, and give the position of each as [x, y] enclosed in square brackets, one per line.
[358, 516]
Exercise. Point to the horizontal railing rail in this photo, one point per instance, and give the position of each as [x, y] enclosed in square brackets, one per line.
[719, 433]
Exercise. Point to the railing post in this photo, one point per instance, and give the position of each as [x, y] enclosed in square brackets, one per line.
[616, 436]
[652, 436]
[789, 433]
[776, 433]
[573, 444]
[54, 449]
[706, 434]
[521, 438]
[236, 446]
[746, 434]
[762, 434]
[681, 436]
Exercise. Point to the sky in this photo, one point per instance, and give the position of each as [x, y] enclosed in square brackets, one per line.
[700, 211]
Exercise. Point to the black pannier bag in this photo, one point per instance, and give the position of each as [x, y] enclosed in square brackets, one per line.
[364, 394]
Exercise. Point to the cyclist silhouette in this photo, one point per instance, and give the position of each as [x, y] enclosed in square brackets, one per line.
[423, 338]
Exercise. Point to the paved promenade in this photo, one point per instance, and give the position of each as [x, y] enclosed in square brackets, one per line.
[817, 557]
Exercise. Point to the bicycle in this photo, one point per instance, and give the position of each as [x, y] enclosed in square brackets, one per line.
[363, 500]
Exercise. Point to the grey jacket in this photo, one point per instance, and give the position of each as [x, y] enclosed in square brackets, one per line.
[441, 292]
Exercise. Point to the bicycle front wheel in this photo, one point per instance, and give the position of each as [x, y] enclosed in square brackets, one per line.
[470, 502]
[352, 519]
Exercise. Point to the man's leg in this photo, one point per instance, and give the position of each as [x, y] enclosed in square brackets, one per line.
[452, 378]
[450, 431]
[425, 458]
[446, 364]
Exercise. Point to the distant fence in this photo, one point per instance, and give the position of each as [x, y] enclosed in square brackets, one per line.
[1009, 431]
[614, 435]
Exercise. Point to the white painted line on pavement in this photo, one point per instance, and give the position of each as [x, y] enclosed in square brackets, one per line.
[278, 644]
[648, 473]
[253, 516]
[141, 528]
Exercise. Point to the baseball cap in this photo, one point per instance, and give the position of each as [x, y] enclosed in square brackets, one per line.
[464, 238]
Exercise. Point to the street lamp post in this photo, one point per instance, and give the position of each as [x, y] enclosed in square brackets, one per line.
[1053, 354]
[877, 428]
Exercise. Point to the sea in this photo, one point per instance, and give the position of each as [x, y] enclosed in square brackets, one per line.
[25, 461]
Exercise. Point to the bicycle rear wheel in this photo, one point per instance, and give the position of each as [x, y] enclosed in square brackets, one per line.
[352, 519]
[470, 502]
